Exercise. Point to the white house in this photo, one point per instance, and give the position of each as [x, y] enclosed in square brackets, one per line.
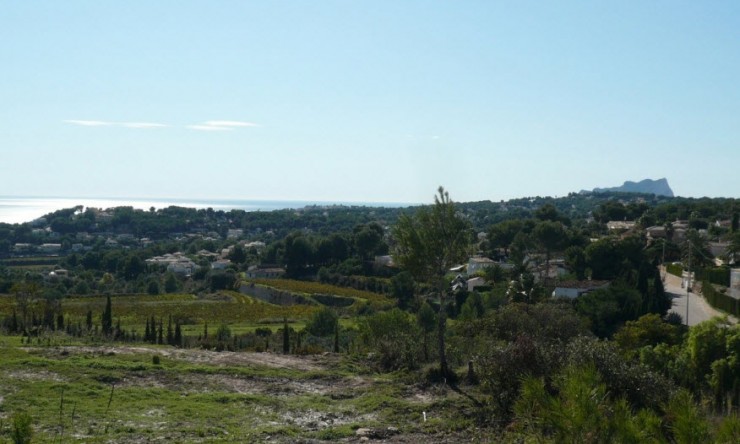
[574, 289]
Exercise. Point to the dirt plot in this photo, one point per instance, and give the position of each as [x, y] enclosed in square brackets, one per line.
[267, 392]
[197, 356]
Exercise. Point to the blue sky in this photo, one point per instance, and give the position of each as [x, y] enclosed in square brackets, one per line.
[369, 101]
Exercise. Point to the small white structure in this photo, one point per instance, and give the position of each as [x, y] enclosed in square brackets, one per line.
[621, 225]
[735, 278]
[574, 289]
[475, 282]
[384, 261]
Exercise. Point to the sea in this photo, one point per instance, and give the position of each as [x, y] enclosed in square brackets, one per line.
[15, 210]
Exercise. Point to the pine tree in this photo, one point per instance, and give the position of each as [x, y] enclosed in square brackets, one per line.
[147, 332]
[205, 332]
[89, 321]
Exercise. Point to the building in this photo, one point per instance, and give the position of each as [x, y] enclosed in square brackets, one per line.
[50, 249]
[620, 225]
[575, 289]
[478, 264]
[221, 264]
[255, 272]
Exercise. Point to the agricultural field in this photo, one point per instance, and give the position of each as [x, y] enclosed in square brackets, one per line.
[313, 288]
[133, 394]
[239, 311]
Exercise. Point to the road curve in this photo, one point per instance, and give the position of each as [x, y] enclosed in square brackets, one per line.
[699, 309]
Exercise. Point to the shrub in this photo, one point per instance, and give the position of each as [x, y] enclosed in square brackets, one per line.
[323, 322]
[394, 335]
[22, 430]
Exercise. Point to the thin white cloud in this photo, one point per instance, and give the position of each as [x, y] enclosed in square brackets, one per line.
[210, 128]
[124, 124]
[230, 124]
[89, 122]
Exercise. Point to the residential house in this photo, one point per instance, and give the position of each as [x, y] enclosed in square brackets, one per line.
[475, 282]
[574, 289]
[234, 233]
[50, 249]
[221, 264]
[620, 225]
[255, 272]
[478, 263]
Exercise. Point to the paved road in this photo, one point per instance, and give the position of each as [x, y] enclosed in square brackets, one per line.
[699, 309]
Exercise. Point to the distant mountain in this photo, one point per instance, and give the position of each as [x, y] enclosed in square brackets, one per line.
[658, 187]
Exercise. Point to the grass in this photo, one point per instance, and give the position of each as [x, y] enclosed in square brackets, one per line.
[195, 401]
[241, 312]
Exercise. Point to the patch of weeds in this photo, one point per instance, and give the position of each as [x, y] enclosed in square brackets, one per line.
[334, 433]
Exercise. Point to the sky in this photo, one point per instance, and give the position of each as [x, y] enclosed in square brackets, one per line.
[367, 101]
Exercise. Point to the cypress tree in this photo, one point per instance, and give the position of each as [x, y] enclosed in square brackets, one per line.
[107, 322]
[153, 331]
[205, 331]
[147, 331]
[336, 338]
[88, 320]
[170, 336]
[161, 339]
[286, 336]
[178, 334]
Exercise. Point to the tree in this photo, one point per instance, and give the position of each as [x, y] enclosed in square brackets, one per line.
[323, 322]
[170, 283]
[286, 337]
[107, 321]
[402, 288]
[426, 320]
[550, 236]
[575, 259]
[428, 244]
[695, 248]
[502, 234]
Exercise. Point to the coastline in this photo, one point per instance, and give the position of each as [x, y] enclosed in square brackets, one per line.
[22, 209]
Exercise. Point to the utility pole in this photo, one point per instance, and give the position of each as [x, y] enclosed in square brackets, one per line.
[662, 262]
[688, 284]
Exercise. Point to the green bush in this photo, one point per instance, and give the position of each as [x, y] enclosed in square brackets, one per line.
[720, 301]
[674, 269]
[22, 430]
[323, 322]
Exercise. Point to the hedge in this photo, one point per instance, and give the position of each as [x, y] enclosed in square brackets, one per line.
[720, 300]
[674, 269]
[717, 275]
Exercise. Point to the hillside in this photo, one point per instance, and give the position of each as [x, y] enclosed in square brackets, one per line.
[658, 187]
